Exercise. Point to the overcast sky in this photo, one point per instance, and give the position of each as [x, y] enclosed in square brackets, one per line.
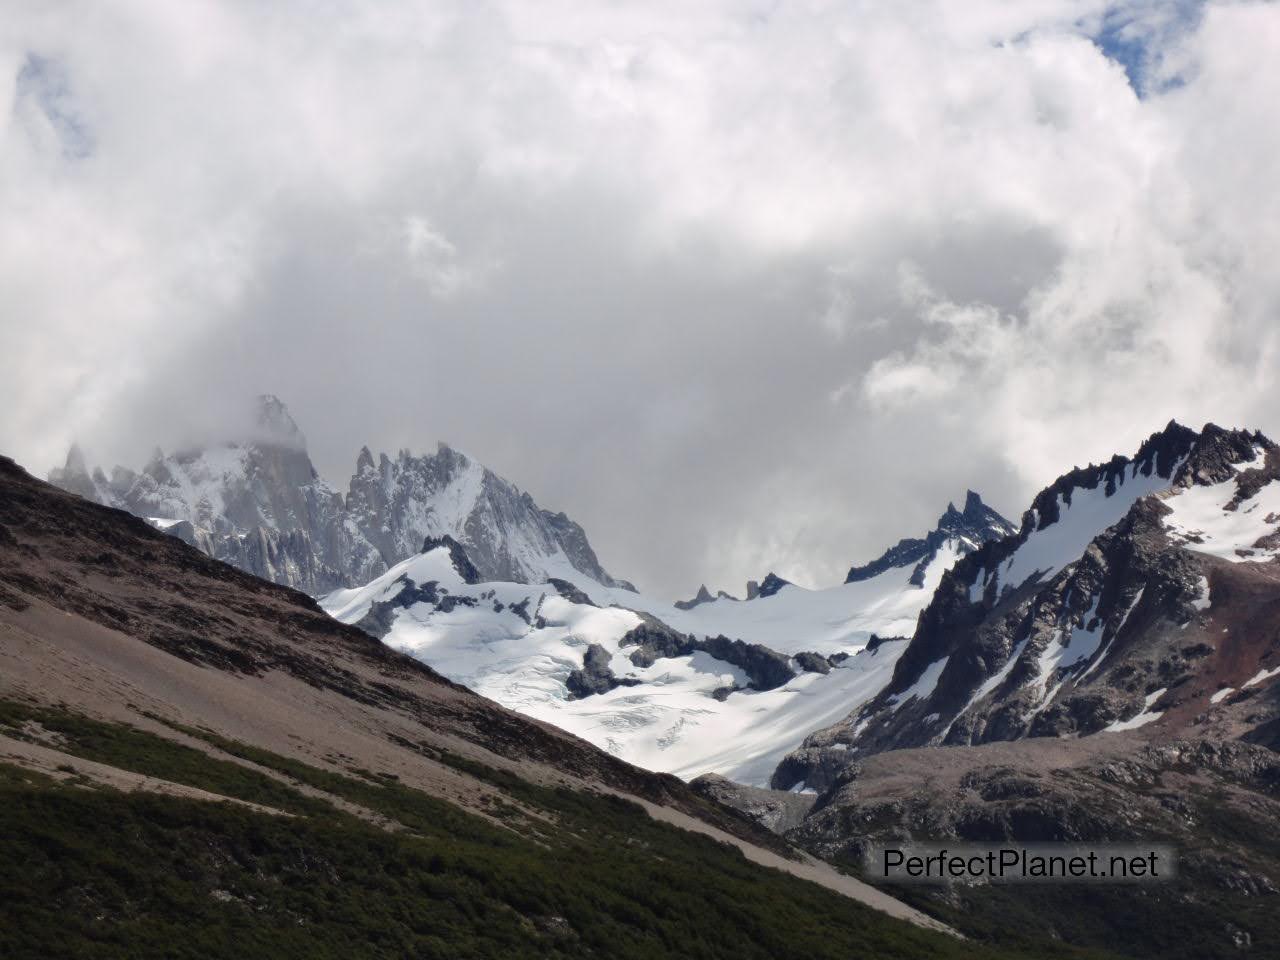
[742, 286]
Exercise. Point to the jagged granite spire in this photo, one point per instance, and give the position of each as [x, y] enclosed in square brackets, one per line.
[702, 596]
[256, 501]
[969, 528]
[74, 476]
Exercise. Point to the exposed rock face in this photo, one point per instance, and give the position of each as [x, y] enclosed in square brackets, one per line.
[1210, 799]
[570, 592]
[969, 528]
[812, 662]
[396, 503]
[457, 554]
[770, 585]
[767, 669]
[1094, 617]
[703, 596]
[595, 676]
[773, 809]
[259, 504]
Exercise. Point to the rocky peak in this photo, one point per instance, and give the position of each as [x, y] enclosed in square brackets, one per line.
[75, 461]
[74, 475]
[1094, 617]
[968, 528]
[273, 426]
[256, 501]
[703, 596]
[977, 522]
[1218, 453]
[457, 556]
[507, 536]
[770, 585]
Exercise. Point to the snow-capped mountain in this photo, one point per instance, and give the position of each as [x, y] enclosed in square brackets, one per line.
[1137, 595]
[972, 527]
[719, 685]
[257, 502]
[396, 504]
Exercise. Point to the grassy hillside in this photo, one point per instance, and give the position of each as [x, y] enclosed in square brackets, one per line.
[89, 871]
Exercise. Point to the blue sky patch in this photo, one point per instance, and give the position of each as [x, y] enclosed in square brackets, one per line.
[44, 82]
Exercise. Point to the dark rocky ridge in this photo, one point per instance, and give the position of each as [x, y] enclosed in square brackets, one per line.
[974, 525]
[1136, 591]
[766, 669]
[770, 585]
[596, 676]
[704, 596]
[457, 556]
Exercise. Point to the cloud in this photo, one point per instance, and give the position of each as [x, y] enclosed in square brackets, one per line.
[741, 286]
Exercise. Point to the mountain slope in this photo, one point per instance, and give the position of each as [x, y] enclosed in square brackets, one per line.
[396, 504]
[1136, 596]
[257, 503]
[140, 680]
[719, 685]
[1109, 674]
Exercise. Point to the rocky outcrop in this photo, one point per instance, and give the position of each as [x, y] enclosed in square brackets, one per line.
[812, 662]
[766, 669]
[772, 809]
[596, 676]
[702, 596]
[1209, 799]
[770, 585]
[457, 556]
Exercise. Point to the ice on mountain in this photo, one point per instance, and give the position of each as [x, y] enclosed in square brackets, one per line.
[1201, 520]
[1261, 676]
[1091, 511]
[924, 686]
[1142, 719]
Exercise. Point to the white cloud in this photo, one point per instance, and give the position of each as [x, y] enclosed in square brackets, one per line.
[817, 266]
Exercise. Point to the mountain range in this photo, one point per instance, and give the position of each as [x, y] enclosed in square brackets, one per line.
[196, 762]
[457, 567]
[257, 502]
[1133, 596]
[1102, 671]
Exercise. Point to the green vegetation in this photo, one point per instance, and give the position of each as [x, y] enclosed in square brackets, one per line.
[98, 873]
[129, 748]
